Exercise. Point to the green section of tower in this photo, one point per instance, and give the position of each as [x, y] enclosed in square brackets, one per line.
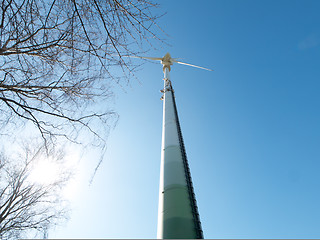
[176, 203]
[173, 166]
[177, 213]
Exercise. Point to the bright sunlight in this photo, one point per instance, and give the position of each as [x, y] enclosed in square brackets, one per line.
[44, 172]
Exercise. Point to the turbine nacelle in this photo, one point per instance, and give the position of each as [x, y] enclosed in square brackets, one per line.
[167, 61]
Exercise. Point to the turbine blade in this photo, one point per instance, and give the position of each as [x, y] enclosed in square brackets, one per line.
[188, 64]
[149, 58]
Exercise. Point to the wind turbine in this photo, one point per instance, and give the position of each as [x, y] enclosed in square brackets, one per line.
[178, 215]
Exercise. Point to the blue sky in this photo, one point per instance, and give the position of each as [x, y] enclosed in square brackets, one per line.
[251, 127]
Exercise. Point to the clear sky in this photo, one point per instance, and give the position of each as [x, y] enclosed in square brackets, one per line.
[251, 128]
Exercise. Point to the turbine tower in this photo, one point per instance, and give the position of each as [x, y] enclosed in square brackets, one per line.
[178, 215]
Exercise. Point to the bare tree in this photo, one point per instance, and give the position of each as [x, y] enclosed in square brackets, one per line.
[58, 58]
[58, 62]
[28, 206]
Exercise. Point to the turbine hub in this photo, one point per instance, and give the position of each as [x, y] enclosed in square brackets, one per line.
[166, 62]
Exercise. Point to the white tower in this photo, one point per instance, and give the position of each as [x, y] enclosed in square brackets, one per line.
[178, 215]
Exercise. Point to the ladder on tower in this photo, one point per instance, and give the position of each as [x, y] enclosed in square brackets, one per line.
[192, 196]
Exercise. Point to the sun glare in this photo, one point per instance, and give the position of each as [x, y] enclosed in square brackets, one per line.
[45, 172]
